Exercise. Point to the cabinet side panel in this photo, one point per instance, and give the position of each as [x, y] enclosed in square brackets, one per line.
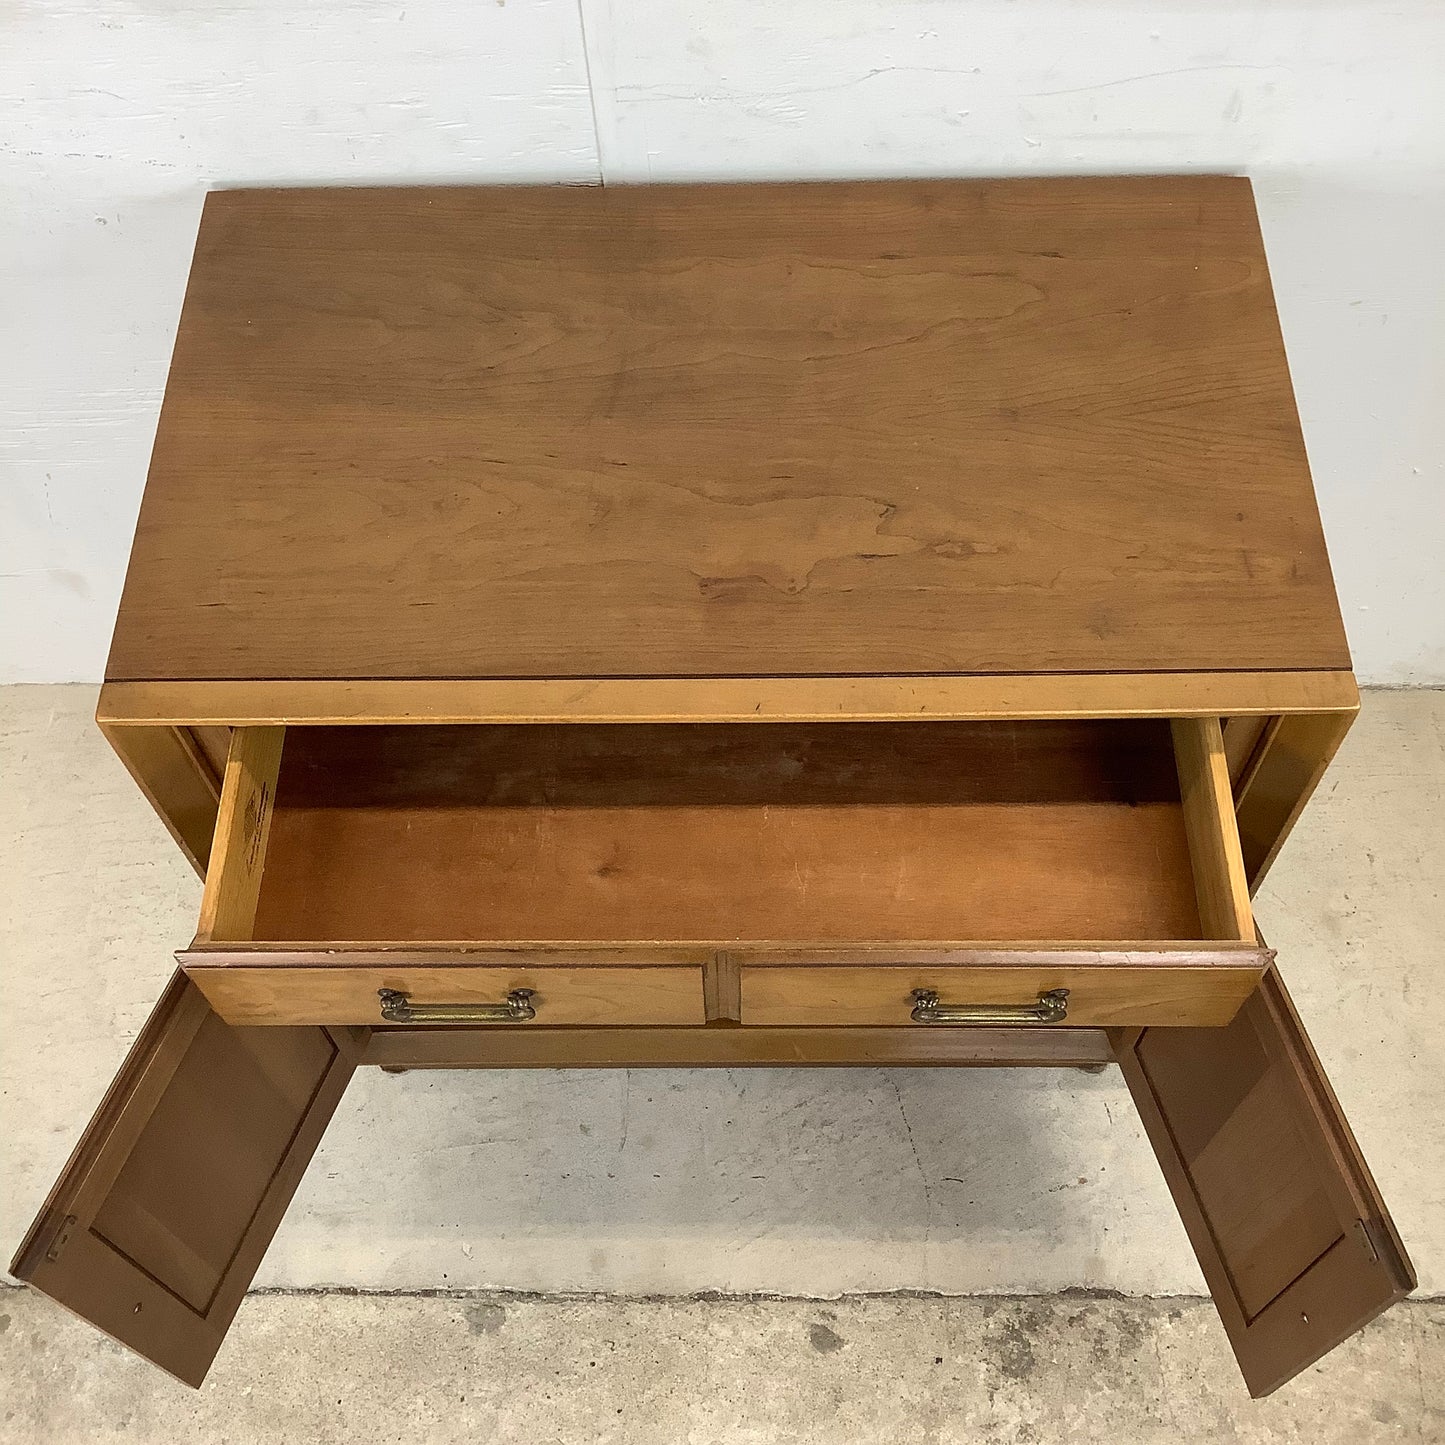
[172, 772]
[1284, 773]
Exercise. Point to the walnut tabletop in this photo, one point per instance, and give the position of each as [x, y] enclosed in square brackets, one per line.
[932, 428]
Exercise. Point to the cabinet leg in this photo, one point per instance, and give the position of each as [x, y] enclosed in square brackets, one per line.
[397, 1069]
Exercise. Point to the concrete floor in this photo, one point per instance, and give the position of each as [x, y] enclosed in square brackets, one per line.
[357, 1369]
[789, 1182]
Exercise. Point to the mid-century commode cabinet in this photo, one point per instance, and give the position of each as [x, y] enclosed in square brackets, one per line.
[880, 623]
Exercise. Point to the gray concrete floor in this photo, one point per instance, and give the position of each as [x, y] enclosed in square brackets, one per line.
[788, 1182]
[358, 1369]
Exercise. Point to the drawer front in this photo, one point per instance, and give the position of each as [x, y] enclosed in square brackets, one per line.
[1022, 992]
[336, 994]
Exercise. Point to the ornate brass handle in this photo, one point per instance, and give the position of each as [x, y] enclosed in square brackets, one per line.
[1051, 1008]
[397, 1008]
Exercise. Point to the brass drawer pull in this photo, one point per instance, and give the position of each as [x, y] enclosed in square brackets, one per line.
[396, 1008]
[1051, 1008]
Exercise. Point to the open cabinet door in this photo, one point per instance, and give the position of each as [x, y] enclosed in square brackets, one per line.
[157, 1224]
[1290, 1230]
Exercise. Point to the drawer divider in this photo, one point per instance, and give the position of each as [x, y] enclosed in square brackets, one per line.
[722, 987]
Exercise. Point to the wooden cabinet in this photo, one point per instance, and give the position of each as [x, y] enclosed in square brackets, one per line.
[741, 625]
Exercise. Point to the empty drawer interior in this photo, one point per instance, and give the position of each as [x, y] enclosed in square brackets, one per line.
[1020, 831]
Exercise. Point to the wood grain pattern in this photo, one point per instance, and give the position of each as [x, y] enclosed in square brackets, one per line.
[843, 874]
[1208, 801]
[843, 833]
[932, 427]
[337, 994]
[243, 828]
[1101, 994]
[157, 1224]
[727, 1046]
[1291, 1233]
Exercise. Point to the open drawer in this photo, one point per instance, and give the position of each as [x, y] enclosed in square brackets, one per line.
[1079, 872]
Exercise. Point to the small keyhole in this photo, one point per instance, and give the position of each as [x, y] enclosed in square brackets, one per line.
[136, 1310]
[1304, 1319]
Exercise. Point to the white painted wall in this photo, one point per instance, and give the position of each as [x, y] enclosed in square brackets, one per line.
[116, 115]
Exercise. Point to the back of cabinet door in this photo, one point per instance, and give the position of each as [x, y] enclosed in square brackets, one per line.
[1290, 1230]
[157, 1224]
